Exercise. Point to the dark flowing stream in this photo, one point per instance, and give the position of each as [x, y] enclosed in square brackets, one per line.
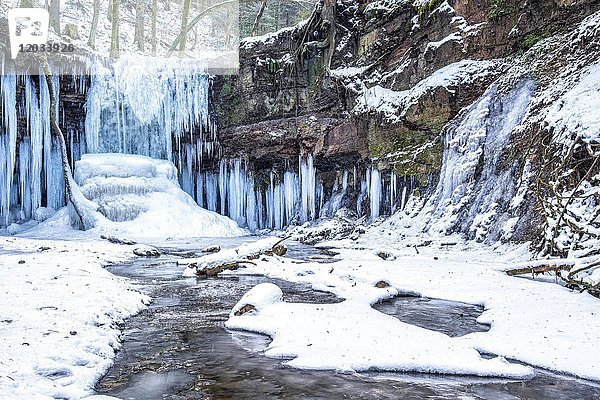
[179, 349]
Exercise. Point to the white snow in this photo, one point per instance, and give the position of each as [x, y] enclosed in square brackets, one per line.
[140, 197]
[59, 316]
[228, 256]
[394, 105]
[260, 296]
[538, 323]
[453, 37]
[577, 112]
[348, 72]
[351, 336]
[269, 38]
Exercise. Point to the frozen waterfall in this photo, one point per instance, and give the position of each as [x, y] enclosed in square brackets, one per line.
[165, 114]
[132, 111]
[30, 163]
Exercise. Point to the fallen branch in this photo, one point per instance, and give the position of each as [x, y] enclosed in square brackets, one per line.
[575, 267]
[217, 270]
[83, 208]
[541, 269]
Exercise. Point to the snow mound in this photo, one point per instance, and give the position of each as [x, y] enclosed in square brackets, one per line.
[260, 296]
[352, 336]
[140, 196]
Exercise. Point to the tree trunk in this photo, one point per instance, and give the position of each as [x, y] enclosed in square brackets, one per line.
[110, 10]
[114, 42]
[263, 6]
[197, 18]
[184, 26]
[55, 15]
[94, 28]
[85, 221]
[154, 14]
[139, 24]
[328, 17]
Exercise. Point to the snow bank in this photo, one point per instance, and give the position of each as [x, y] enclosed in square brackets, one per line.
[577, 112]
[535, 322]
[351, 336]
[140, 196]
[59, 317]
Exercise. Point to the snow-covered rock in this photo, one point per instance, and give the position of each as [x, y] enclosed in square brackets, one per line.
[146, 251]
[259, 297]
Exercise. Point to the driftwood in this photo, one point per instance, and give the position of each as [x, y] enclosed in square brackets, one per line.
[540, 269]
[573, 267]
[232, 259]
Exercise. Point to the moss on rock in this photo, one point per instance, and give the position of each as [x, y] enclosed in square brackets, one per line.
[411, 152]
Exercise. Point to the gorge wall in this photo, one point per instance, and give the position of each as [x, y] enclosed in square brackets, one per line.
[443, 109]
[388, 83]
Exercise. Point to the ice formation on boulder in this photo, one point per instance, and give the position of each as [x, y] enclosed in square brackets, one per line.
[141, 196]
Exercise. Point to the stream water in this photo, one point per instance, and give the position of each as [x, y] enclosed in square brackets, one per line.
[179, 349]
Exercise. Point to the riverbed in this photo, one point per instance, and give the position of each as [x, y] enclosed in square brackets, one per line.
[179, 349]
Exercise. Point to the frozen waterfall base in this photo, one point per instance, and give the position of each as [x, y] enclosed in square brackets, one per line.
[140, 197]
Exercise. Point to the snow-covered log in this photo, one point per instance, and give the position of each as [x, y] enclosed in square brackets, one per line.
[213, 264]
[582, 273]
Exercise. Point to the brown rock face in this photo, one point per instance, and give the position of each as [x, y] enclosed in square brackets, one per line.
[285, 104]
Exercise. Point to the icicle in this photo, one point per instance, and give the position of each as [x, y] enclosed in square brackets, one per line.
[270, 202]
[54, 177]
[393, 189]
[211, 185]
[290, 195]
[375, 193]
[139, 109]
[251, 216]
[308, 185]
[8, 144]
[223, 185]
[38, 134]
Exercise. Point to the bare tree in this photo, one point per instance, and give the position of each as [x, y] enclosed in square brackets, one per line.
[139, 24]
[94, 28]
[55, 15]
[110, 9]
[261, 11]
[114, 42]
[154, 15]
[184, 26]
